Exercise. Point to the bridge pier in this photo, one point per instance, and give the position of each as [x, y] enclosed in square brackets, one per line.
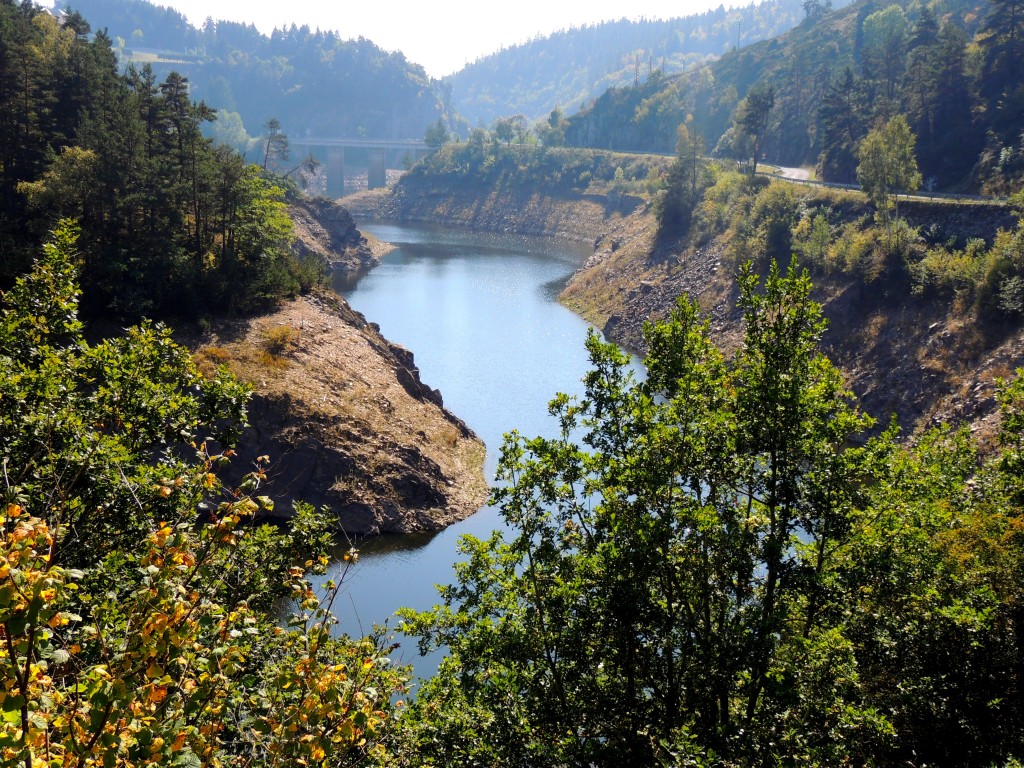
[377, 173]
[335, 172]
[376, 150]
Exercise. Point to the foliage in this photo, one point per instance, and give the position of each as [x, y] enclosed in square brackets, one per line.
[654, 590]
[136, 595]
[687, 179]
[436, 135]
[887, 165]
[713, 567]
[484, 163]
[752, 118]
[836, 75]
[170, 224]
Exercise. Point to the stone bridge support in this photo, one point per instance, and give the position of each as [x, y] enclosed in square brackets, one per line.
[335, 171]
[377, 175]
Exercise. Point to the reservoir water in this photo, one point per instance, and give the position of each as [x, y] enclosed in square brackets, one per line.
[479, 312]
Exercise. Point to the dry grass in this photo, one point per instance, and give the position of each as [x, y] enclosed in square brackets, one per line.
[280, 338]
[210, 358]
[271, 361]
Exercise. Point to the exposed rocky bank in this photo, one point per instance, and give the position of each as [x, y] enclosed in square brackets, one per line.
[902, 355]
[325, 229]
[580, 219]
[341, 411]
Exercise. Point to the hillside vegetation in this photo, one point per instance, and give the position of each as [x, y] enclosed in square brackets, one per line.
[569, 69]
[171, 224]
[483, 184]
[951, 70]
[315, 82]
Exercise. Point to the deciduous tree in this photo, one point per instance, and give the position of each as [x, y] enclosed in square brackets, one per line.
[888, 166]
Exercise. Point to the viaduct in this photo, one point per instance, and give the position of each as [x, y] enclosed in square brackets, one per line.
[378, 150]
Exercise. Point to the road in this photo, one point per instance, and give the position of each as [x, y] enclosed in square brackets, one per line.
[797, 174]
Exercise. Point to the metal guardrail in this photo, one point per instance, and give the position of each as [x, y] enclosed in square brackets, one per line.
[956, 197]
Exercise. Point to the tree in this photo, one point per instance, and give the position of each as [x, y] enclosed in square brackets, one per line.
[752, 119]
[815, 9]
[1002, 43]
[883, 55]
[437, 135]
[507, 129]
[687, 179]
[661, 598]
[551, 132]
[888, 166]
[275, 146]
[840, 128]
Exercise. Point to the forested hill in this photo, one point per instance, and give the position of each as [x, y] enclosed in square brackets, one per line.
[570, 68]
[170, 224]
[311, 80]
[952, 71]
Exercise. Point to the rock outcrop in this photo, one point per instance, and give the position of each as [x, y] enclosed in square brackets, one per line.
[326, 229]
[522, 212]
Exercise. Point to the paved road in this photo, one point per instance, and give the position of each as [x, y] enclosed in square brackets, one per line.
[798, 174]
[803, 176]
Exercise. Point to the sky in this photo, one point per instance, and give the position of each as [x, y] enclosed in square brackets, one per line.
[442, 35]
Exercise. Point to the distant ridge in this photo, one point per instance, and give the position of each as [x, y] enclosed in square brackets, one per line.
[568, 69]
[313, 81]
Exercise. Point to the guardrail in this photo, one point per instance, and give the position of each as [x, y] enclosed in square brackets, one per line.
[956, 197]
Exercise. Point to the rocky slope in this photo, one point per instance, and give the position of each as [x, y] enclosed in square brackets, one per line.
[580, 219]
[902, 355]
[341, 411]
[325, 229]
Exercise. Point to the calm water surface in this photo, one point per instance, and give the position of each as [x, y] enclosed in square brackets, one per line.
[479, 313]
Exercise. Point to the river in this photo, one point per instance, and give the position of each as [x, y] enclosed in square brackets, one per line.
[479, 312]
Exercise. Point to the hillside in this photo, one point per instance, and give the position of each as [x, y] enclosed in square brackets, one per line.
[950, 71]
[313, 81]
[340, 410]
[555, 192]
[568, 69]
[903, 355]
[345, 420]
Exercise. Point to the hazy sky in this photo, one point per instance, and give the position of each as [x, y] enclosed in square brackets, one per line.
[442, 35]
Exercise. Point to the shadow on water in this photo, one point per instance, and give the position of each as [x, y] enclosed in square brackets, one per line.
[552, 289]
[345, 280]
[392, 545]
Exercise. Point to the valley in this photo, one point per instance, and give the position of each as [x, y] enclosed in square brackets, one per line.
[577, 441]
